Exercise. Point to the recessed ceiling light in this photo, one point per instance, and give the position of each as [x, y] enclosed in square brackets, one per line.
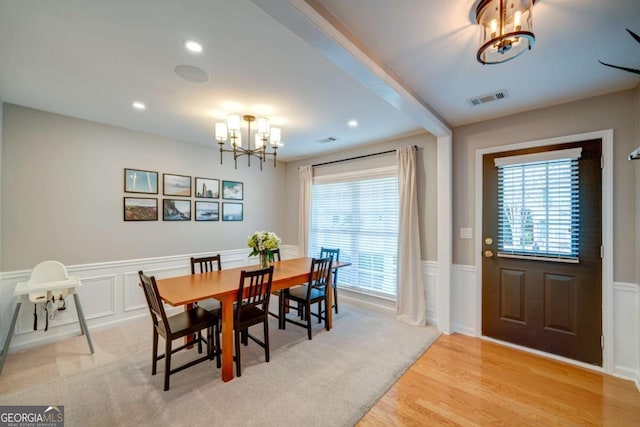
[353, 123]
[138, 105]
[193, 46]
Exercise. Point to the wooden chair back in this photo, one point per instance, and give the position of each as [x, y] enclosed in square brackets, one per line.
[154, 302]
[319, 275]
[254, 290]
[206, 264]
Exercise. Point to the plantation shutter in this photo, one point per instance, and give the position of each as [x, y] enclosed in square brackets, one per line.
[539, 205]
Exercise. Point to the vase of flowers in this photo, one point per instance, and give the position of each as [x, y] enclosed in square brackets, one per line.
[262, 243]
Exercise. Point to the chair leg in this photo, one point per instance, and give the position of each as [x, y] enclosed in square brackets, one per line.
[237, 348]
[245, 336]
[335, 297]
[320, 311]
[216, 330]
[209, 342]
[167, 363]
[326, 305]
[154, 353]
[282, 324]
[308, 312]
[199, 342]
[266, 338]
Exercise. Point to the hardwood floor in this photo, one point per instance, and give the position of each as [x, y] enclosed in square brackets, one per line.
[466, 381]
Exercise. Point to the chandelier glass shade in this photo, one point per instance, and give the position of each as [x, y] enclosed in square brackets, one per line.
[506, 29]
[265, 137]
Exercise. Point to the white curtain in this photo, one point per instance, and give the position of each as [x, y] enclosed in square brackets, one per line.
[304, 213]
[411, 298]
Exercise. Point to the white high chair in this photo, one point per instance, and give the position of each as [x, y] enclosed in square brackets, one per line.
[49, 278]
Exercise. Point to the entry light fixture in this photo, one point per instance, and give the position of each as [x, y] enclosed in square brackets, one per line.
[506, 29]
[265, 136]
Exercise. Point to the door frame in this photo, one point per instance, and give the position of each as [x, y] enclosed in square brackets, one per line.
[607, 238]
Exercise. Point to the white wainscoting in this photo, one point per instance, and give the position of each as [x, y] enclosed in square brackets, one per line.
[464, 300]
[109, 294]
[625, 306]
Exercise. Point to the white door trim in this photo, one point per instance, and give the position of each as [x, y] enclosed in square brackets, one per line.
[607, 228]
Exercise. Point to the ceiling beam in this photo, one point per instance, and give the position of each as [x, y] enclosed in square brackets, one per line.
[313, 27]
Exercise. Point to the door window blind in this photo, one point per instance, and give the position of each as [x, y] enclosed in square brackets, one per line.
[539, 207]
[359, 216]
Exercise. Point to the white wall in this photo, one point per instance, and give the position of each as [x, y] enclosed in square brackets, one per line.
[63, 188]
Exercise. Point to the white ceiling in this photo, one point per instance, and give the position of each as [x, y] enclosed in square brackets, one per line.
[91, 58]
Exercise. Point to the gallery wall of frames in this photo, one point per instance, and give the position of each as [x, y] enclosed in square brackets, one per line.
[185, 197]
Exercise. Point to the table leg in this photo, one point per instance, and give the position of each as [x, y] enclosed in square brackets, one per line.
[328, 318]
[188, 338]
[7, 341]
[227, 339]
[83, 323]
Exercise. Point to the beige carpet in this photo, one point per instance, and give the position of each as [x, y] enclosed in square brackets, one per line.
[332, 380]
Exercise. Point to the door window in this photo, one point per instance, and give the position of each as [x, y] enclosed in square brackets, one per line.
[538, 205]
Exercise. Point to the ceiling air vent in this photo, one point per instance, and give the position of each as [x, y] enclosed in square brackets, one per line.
[327, 140]
[483, 99]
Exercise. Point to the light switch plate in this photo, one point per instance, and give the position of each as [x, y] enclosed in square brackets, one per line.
[466, 233]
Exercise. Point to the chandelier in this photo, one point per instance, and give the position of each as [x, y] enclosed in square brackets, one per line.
[505, 29]
[265, 135]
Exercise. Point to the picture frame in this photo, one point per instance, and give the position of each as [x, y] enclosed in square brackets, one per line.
[232, 190]
[232, 211]
[140, 209]
[140, 181]
[176, 185]
[176, 210]
[207, 188]
[207, 211]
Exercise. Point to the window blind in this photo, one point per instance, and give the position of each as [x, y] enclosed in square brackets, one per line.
[539, 209]
[359, 216]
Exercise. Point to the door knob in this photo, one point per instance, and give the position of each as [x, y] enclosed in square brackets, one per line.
[488, 254]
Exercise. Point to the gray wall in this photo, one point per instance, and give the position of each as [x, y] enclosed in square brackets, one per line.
[427, 184]
[62, 193]
[617, 111]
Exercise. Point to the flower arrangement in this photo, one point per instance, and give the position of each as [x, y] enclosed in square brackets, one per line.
[262, 243]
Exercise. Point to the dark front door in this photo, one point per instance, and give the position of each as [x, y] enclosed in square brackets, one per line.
[542, 236]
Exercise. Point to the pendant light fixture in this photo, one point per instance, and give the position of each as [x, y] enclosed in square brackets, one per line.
[506, 29]
[265, 135]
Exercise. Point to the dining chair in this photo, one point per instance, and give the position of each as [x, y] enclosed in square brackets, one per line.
[314, 292]
[184, 324]
[204, 265]
[335, 256]
[252, 308]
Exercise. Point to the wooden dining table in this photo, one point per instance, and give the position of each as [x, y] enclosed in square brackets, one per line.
[223, 286]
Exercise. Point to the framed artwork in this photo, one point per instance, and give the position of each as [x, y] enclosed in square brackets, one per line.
[176, 185]
[176, 210]
[232, 190]
[207, 211]
[140, 209]
[140, 181]
[232, 212]
[207, 188]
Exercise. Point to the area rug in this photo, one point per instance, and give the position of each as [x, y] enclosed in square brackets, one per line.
[331, 380]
